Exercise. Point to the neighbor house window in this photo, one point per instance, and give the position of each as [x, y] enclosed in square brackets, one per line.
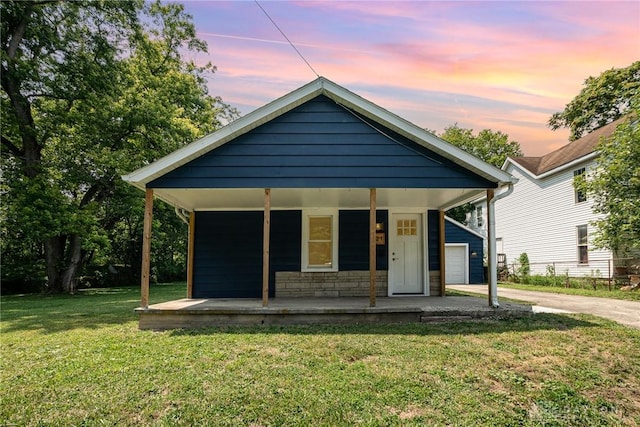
[583, 249]
[580, 196]
[320, 241]
[479, 216]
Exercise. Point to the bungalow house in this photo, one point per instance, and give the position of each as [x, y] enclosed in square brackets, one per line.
[545, 216]
[318, 193]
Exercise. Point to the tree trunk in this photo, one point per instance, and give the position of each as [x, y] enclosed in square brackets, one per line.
[69, 277]
[54, 254]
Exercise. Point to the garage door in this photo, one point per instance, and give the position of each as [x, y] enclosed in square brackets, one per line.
[456, 264]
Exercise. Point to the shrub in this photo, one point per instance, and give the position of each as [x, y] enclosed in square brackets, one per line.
[524, 269]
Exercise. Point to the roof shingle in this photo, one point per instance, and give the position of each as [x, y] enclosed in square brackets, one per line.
[568, 153]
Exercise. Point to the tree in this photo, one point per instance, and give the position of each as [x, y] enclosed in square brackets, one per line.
[491, 146]
[602, 100]
[614, 186]
[91, 90]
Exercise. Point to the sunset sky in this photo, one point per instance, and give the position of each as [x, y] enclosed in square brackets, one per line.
[499, 65]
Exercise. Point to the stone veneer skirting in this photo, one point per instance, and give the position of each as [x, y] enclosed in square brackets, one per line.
[328, 284]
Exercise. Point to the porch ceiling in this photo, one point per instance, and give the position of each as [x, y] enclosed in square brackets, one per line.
[346, 198]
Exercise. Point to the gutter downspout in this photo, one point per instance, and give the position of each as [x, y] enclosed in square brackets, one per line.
[493, 262]
[183, 215]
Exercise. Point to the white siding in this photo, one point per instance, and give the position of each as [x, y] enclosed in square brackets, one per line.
[472, 218]
[540, 218]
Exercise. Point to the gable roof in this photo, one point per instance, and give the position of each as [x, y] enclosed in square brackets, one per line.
[464, 227]
[576, 151]
[141, 177]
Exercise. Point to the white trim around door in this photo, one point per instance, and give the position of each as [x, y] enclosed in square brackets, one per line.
[408, 254]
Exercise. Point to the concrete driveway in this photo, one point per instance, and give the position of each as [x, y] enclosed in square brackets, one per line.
[624, 312]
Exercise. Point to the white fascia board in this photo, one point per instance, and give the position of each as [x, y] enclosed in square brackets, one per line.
[461, 225]
[506, 163]
[554, 171]
[467, 197]
[416, 134]
[148, 173]
[569, 165]
[225, 134]
[482, 199]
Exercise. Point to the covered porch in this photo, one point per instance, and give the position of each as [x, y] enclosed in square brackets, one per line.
[317, 194]
[202, 312]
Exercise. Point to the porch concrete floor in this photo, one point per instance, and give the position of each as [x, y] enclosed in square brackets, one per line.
[191, 313]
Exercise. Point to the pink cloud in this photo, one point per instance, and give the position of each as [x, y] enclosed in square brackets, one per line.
[517, 71]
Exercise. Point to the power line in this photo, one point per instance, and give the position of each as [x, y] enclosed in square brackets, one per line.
[287, 38]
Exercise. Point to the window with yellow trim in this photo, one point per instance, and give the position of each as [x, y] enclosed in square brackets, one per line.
[320, 241]
[407, 227]
[319, 246]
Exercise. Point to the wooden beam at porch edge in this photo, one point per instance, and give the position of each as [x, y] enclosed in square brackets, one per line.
[441, 247]
[190, 253]
[265, 247]
[372, 247]
[146, 248]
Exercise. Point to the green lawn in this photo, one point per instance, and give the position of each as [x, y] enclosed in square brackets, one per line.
[601, 292]
[80, 360]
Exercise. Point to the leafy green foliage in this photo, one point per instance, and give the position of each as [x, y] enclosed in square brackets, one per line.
[614, 186]
[92, 90]
[491, 146]
[523, 265]
[602, 100]
[573, 286]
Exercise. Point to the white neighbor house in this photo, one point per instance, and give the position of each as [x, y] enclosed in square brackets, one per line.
[545, 217]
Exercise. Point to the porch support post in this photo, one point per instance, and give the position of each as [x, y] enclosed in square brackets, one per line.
[146, 248]
[191, 253]
[372, 247]
[265, 247]
[441, 243]
[492, 280]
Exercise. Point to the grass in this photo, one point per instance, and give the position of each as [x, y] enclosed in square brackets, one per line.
[601, 292]
[80, 360]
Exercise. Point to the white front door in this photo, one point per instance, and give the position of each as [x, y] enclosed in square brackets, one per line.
[455, 256]
[406, 254]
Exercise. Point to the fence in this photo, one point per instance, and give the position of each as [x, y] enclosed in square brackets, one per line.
[562, 272]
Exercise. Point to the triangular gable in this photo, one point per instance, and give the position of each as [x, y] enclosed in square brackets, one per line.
[575, 152]
[338, 94]
[464, 227]
[321, 144]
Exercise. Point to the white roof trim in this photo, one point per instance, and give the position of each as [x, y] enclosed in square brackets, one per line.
[465, 198]
[461, 225]
[244, 124]
[148, 173]
[415, 133]
[554, 171]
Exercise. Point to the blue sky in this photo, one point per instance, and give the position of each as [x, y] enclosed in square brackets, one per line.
[499, 65]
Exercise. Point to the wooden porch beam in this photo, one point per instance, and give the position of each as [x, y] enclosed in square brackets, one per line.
[146, 248]
[372, 247]
[265, 247]
[441, 243]
[191, 253]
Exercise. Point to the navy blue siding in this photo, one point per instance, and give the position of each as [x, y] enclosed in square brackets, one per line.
[353, 242]
[320, 145]
[285, 240]
[456, 234]
[433, 235]
[228, 249]
[228, 255]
